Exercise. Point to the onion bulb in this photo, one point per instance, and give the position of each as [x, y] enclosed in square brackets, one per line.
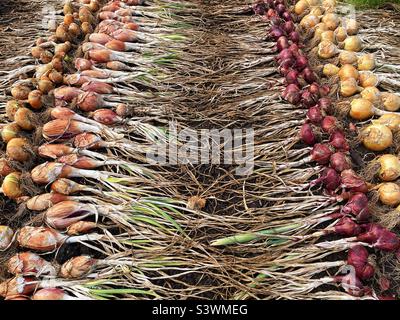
[11, 108]
[25, 119]
[45, 86]
[347, 57]
[19, 149]
[317, 11]
[35, 99]
[326, 49]
[328, 36]
[366, 62]
[368, 79]
[361, 109]
[391, 101]
[330, 70]
[309, 21]
[377, 137]
[351, 26]
[6, 237]
[319, 28]
[348, 72]
[300, 7]
[349, 87]
[389, 193]
[352, 43]
[390, 120]
[10, 131]
[340, 34]
[11, 185]
[331, 20]
[372, 94]
[20, 92]
[389, 167]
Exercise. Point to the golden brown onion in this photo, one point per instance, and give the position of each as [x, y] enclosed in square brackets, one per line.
[391, 101]
[389, 167]
[352, 43]
[361, 109]
[377, 137]
[389, 193]
[19, 149]
[347, 71]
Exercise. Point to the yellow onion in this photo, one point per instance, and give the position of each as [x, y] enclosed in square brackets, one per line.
[74, 30]
[62, 48]
[86, 28]
[340, 34]
[377, 137]
[330, 70]
[68, 9]
[329, 4]
[42, 70]
[351, 26]
[62, 33]
[19, 149]
[372, 94]
[347, 57]
[349, 87]
[57, 64]
[366, 62]
[313, 3]
[300, 7]
[46, 56]
[368, 79]
[326, 49]
[389, 193]
[11, 108]
[35, 99]
[11, 185]
[85, 15]
[361, 109]
[317, 11]
[68, 19]
[20, 92]
[10, 131]
[5, 168]
[389, 167]
[390, 120]
[6, 237]
[45, 86]
[56, 77]
[352, 43]
[36, 52]
[331, 20]
[391, 101]
[319, 28]
[309, 21]
[348, 72]
[25, 118]
[328, 36]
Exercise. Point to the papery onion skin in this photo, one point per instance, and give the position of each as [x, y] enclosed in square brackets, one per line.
[77, 267]
[6, 237]
[391, 101]
[377, 137]
[389, 193]
[307, 134]
[321, 153]
[389, 167]
[11, 185]
[390, 120]
[361, 109]
[340, 162]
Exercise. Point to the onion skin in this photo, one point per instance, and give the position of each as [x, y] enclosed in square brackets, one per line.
[81, 227]
[357, 206]
[389, 120]
[25, 119]
[347, 71]
[17, 286]
[391, 101]
[39, 238]
[361, 109]
[389, 167]
[77, 267]
[366, 62]
[10, 131]
[389, 194]
[50, 294]
[329, 124]
[314, 114]
[377, 137]
[11, 108]
[28, 263]
[330, 179]
[353, 182]
[358, 258]
[347, 227]
[321, 153]
[19, 149]
[307, 135]
[11, 185]
[45, 201]
[330, 70]
[340, 162]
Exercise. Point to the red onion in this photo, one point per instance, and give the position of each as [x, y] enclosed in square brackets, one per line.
[308, 75]
[294, 37]
[294, 48]
[259, 8]
[358, 258]
[321, 153]
[357, 206]
[307, 134]
[347, 227]
[292, 94]
[291, 77]
[280, 8]
[314, 89]
[339, 161]
[285, 54]
[330, 179]
[308, 99]
[287, 16]
[276, 32]
[328, 124]
[271, 13]
[384, 283]
[325, 103]
[351, 180]
[324, 90]
[282, 43]
[338, 140]
[314, 114]
[379, 237]
[301, 63]
[288, 27]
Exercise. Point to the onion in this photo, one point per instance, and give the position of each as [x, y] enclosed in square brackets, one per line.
[377, 137]
[280, 8]
[45, 86]
[276, 32]
[77, 267]
[347, 227]
[28, 263]
[11, 108]
[35, 99]
[331, 21]
[391, 101]
[308, 99]
[20, 92]
[18, 286]
[361, 109]
[292, 94]
[358, 258]
[282, 43]
[329, 124]
[10, 131]
[308, 75]
[307, 135]
[338, 140]
[6, 237]
[326, 50]
[56, 77]
[301, 63]
[340, 34]
[287, 16]
[368, 79]
[328, 35]
[350, 180]
[325, 103]
[330, 179]
[39, 238]
[314, 114]
[347, 71]
[347, 57]
[352, 43]
[11, 185]
[80, 227]
[294, 36]
[379, 237]
[300, 7]
[349, 87]
[317, 11]
[319, 28]
[288, 27]
[390, 120]
[351, 26]
[330, 70]
[19, 149]
[65, 213]
[5, 168]
[25, 118]
[373, 95]
[83, 64]
[292, 77]
[36, 52]
[51, 294]
[366, 62]
[309, 21]
[389, 193]
[321, 153]
[86, 28]
[340, 162]
[106, 116]
[389, 167]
